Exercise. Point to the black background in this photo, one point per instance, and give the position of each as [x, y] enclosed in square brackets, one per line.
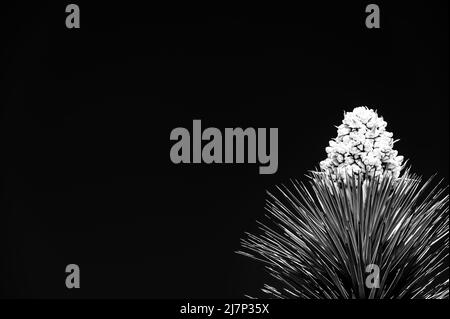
[87, 115]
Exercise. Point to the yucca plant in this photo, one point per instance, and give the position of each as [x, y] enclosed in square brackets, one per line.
[356, 231]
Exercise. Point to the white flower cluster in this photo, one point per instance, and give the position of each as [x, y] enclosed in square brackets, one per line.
[363, 146]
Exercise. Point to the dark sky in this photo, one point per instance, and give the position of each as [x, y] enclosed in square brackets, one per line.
[87, 115]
